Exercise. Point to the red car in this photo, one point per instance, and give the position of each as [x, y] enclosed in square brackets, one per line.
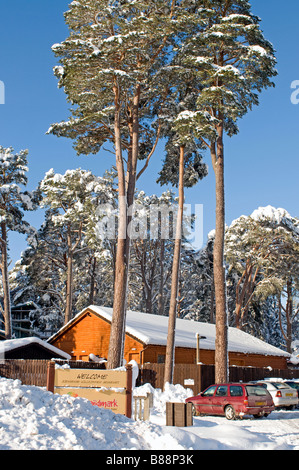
[233, 400]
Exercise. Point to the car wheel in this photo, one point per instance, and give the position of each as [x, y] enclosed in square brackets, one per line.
[259, 416]
[230, 412]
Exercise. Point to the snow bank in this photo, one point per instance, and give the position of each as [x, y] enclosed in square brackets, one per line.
[33, 419]
[174, 393]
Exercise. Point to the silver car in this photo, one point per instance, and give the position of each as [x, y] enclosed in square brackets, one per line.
[282, 394]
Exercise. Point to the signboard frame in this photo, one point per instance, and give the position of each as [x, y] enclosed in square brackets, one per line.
[109, 389]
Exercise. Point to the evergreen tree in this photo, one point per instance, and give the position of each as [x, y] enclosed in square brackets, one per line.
[203, 290]
[37, 281]
[45, 265]
[74, 199]
[232, 62]
[182, 167]
[108, 65]
[182, 142]
[283, 269]
[41, 275]
[262, 251]
[13, 201]
[152, 251]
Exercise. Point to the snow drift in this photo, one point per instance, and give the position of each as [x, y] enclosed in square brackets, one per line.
[33, 419]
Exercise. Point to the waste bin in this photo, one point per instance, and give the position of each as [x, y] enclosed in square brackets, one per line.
[179, 414]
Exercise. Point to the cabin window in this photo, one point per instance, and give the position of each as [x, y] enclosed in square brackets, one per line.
[161, 358]
[84, 358]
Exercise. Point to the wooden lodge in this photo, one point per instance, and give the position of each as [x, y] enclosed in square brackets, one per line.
[88, 334]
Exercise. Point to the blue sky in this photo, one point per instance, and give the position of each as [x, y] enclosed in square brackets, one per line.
[261, 161]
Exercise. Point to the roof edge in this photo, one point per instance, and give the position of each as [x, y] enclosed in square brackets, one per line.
[69, 323]
[101, 314]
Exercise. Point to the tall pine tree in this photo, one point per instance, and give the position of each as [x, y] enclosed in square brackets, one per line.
[232, 62]
[107, 68]
[74, 199]
[13, 202]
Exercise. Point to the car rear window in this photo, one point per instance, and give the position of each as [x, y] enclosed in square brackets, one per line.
[236, 391]
[280, 385]
[252, 390]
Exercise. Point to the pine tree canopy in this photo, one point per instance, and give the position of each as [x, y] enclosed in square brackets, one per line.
[13, 199]
[112, 46]
[194, 168]
[267, 241]
[74, 199]
[232, 62]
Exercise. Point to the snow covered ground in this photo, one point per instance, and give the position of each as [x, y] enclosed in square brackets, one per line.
[33, 419]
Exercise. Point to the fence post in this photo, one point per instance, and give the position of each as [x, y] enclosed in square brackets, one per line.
[199, 378]
[50, 376]
[142, 405]
[129, 391]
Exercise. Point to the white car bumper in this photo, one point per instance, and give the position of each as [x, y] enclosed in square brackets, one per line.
[290, 401]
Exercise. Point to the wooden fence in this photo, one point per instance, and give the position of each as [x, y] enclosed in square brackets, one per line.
[204, 375]
[34, 372]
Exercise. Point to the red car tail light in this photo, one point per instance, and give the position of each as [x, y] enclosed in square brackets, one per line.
[278, 394]
[246, 402]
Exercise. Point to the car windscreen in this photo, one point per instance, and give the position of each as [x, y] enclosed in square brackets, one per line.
[255, 390]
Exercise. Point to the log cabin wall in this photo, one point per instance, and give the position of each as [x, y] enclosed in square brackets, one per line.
[90, 334]
[87, 335]
[156, 354]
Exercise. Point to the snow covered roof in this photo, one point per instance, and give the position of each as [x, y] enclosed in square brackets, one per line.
[11, 344]
[153, 329]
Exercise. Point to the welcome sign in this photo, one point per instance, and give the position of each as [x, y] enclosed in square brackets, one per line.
[90, 378]
[108, 389]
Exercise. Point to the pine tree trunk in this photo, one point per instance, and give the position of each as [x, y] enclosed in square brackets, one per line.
[5, 282]
[212, 306]
[69, 281]
[170, 347]
[221, 350]
[161, 280]
[92, 281]
[289, 313]
[148, 301]
[115, 345]
[126, 191]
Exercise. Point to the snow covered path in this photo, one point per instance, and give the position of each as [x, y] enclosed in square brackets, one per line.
[279, 431]
[34, 419]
